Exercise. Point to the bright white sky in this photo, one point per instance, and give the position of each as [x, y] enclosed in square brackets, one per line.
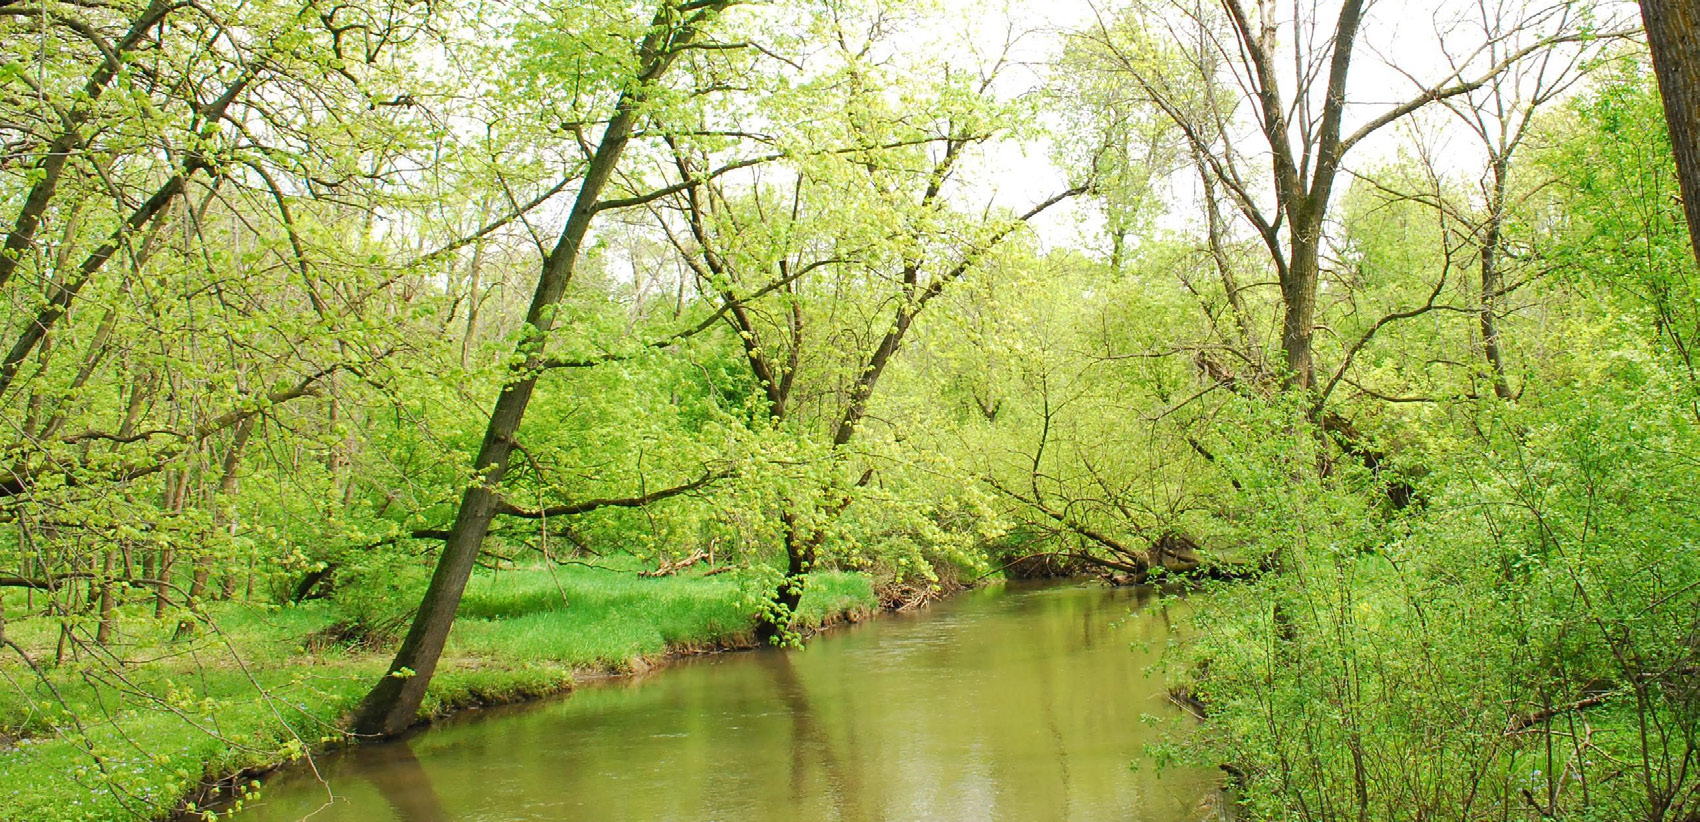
[1401, 44]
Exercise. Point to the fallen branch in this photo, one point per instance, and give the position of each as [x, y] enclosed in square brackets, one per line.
[55, 582]
[1186, 701]
[1519, 724]
[669, 568]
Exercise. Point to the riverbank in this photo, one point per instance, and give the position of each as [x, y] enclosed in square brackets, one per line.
[155, 722]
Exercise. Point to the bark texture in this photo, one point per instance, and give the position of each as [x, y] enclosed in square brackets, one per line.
[1673, 34]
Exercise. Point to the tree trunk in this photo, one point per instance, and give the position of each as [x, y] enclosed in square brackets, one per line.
[1673, 35]
[392, 704]
[1298, 296]
[226, 490]
[108, 604]
[800, 559]
[801, 550]
[1492, 239]
[176, 490]
[1118, 252]
[161, 599]
[66, 289]
[474, 298]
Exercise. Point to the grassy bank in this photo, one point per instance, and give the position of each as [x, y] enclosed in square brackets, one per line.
[131, 733]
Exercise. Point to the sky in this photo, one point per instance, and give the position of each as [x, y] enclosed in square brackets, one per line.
[1404, 45]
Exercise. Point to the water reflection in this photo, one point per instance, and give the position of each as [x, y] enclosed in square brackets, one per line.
[395, 771]
[1016, 706]
[812, 746]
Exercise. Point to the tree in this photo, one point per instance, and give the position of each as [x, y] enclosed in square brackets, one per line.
[824, 277]
[1617, 214]
[1673, 34]
[138, 364]
[1301, 116]
[392, 704]
[1500, 117]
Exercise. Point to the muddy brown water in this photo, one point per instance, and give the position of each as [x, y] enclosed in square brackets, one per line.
[1027, 704]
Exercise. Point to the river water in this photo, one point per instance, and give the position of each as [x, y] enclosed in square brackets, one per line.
[1006, 704]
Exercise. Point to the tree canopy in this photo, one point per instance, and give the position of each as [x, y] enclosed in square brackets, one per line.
[354, 303]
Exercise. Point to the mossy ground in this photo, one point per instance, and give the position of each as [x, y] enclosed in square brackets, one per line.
[135, 734]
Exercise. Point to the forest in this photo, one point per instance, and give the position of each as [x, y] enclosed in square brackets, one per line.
[369, 360]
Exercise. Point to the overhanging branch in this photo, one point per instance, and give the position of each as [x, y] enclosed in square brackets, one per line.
[505, 508]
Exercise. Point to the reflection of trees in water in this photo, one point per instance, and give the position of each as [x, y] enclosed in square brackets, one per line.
[1048, 711]
[1023, 675]
[1025, 707]
[401, 780]
[843, 775]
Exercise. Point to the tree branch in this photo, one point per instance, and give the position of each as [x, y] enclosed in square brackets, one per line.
[506, 508]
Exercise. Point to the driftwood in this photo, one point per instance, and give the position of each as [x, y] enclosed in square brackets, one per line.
[671, 567]
[908, 596]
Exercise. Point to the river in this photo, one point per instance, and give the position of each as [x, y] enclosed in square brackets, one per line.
[1025, 704]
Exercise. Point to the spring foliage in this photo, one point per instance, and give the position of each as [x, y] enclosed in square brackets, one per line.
[267, 267]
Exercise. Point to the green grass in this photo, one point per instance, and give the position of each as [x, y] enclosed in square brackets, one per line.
[594, 617]
[134, 748]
